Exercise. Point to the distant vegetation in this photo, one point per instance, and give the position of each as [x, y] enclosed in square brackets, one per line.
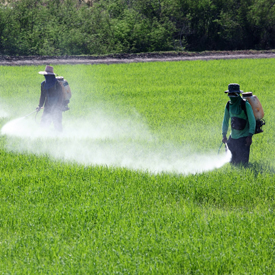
[70, 27]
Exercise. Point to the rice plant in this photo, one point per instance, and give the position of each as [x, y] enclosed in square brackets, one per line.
[132, 186]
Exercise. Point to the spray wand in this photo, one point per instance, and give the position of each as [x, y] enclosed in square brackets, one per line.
[226, 147]
[36, 111]
[29, 114]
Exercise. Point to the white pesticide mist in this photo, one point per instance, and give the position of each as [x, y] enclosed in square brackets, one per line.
[104, 140]
[3, 110]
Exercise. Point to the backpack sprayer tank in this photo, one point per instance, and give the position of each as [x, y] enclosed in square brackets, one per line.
[257, 110]
[66, 90]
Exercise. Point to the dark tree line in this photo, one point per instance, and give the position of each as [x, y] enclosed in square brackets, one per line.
[71, 27]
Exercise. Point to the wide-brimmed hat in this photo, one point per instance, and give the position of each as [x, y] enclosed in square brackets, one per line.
[48, 71]
[233, 88]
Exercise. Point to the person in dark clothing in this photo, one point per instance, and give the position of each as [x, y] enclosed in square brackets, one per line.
[52, 98]
[243, 125]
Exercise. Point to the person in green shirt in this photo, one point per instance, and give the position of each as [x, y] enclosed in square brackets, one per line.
[243, 125]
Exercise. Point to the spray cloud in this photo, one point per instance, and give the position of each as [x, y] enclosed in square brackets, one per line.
[104, 140]
[3, 110]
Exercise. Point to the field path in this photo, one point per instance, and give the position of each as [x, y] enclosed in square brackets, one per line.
[130, 58]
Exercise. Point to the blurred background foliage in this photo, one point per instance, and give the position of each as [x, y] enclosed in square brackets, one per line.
[77, 27]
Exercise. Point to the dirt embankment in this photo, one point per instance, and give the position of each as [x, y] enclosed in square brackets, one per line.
[129, 58]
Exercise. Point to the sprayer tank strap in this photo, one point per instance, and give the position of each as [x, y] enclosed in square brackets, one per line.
[243, 102]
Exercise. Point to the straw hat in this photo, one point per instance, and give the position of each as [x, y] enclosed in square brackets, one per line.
[48, 71]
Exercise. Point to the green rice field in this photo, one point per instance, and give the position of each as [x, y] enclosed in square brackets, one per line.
[137, 182]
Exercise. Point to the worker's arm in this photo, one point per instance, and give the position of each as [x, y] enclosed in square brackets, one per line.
[225, 124]
[42, 97]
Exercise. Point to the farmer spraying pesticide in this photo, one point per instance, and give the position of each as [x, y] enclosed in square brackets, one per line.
[55, 94]
[243, 125]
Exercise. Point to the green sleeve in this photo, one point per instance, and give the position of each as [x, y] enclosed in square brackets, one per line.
[225, 122]
[251, 119]
[42, 95]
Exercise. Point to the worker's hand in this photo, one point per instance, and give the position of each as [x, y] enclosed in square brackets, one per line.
[248, 141]
[224, 140]
[38, 109]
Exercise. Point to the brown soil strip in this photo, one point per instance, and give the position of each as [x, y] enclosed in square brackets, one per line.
[131, 58]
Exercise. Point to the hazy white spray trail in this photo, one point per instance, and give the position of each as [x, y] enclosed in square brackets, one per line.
[3, 111]
[101, 140]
